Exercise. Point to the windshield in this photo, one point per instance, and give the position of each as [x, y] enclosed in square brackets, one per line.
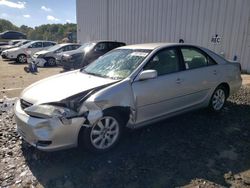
[27, 44]
[117, 64]
[21, 43]
[13, 42]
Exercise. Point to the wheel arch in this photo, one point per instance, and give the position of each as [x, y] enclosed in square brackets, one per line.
[124, 113]
[21, 54]
[227, 87]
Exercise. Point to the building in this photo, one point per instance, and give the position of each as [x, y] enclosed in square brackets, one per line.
[220, 25]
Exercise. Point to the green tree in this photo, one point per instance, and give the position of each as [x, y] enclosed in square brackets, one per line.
[55, 32]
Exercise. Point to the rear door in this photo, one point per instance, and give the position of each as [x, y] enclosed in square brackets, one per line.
[199, 78]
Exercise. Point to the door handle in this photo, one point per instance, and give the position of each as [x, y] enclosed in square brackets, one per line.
[178, 80]
[215, 72]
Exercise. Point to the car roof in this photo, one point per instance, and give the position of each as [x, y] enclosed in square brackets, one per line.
[152, 46]
[97, 41]
[42, 41]
[65, 44]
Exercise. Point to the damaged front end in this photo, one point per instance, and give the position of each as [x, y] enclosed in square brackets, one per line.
[89, 106]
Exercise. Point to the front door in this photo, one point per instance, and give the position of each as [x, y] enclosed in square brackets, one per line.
[161, 95]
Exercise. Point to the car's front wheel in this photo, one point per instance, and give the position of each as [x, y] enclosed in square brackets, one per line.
[51, 62]
[22, 58]
[218, 99]
[104, 134]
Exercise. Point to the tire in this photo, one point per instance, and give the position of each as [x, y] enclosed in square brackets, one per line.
[218, 99]
[22, 58]
[51, 62]
[104, 134]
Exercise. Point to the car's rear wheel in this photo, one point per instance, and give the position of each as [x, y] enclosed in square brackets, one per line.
[22, 58]
[104, 134]
[218, 99]
[51, 62]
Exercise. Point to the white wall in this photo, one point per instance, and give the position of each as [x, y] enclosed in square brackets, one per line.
[195, 21]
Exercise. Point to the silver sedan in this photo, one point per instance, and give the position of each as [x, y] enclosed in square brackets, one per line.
[131, 86]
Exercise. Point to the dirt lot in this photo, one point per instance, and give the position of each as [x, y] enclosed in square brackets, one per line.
[13, 78]
[198, 149]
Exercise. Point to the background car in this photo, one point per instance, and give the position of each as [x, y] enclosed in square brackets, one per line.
[12, 35]
[87, 53]
[13, 44]
[21, 53]
[4, 43]
[131, 86]
[48, 57]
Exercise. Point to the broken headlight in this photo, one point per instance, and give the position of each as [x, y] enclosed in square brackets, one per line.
[49, 111]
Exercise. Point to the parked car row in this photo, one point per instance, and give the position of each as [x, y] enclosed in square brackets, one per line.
[13, 44]
[20, 53]
[48, 57]
[48, 53]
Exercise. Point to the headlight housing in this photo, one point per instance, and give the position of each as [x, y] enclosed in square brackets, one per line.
[50, 111]
[66, 57]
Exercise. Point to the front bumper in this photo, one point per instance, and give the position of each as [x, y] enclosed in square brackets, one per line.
[47, 134]
[9, 55]
[4, 55]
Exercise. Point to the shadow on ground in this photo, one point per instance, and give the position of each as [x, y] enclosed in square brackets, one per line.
[167, 154]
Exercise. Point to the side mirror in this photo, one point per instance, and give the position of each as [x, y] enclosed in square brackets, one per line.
[147, 74]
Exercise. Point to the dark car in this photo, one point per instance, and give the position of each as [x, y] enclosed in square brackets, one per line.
[86, 54]
[9, 35]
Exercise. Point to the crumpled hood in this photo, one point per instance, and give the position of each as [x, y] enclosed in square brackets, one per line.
[61, 86]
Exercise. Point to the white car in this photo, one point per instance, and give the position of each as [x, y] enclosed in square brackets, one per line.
[130, 86]
[21, 53]
[48, 57]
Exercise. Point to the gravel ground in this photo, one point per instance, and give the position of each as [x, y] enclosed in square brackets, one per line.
[198, 149]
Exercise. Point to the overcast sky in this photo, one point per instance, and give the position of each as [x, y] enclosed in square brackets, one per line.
[36, 12]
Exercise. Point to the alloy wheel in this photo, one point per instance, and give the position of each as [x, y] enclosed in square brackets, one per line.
[22, 59]
[51, 62]
[218, 99]
[104, 133]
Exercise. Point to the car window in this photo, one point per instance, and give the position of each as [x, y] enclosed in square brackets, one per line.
[193, 58]
[59, 50]
[113, 45]
[47, 44]
[67, 48]
[75, 47]
[164, 62]
[102, 47]
[36, 45]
